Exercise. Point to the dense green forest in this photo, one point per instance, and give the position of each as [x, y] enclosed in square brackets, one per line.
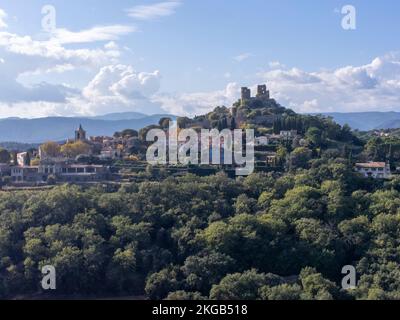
[266, 236]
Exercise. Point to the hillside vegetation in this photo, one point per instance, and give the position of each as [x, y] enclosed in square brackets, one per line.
[261, 237]
[278, 235]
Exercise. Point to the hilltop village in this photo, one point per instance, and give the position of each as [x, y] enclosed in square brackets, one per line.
[284, 140]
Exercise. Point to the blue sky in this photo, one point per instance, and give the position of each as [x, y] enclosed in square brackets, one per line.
[186, 56]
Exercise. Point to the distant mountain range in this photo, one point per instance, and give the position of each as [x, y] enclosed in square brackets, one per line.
[366, 121]
[122, 116]
[61, 128]
[33, 131]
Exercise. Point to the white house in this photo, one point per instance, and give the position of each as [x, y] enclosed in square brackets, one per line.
[376, 170]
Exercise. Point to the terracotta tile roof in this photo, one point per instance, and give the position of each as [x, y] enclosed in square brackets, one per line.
[371, 165]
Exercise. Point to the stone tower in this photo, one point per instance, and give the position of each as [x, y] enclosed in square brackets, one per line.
[80, 134]
[246, 95]
[262, 92]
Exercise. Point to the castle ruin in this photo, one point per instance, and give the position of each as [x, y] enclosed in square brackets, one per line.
[262, 94]
[246, 95]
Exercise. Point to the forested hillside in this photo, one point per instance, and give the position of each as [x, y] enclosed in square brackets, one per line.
[285, 234]
[265, 236]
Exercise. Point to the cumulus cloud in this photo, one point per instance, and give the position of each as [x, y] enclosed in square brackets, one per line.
[115, 87]
[26, 59]
[152, 11]
[18, 64]
[294, 75]
[373, 86]
[124, 81]
[198, 103]
[118, 88]
[26, 56]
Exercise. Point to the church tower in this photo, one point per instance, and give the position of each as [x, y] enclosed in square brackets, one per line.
[80, 134]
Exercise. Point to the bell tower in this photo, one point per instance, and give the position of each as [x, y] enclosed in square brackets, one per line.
[80, 134]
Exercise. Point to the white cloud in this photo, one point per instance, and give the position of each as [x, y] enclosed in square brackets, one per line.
[294, 75]
[198, 103]
[122, 80]
[152, 11]
[32, 109]
[99, 33]
[120, 86]
[116, 87]
[12, 91]
[373, 86]
[52, 51]
[58, 69]
[3, 16]
[309, 106]
[276, 64]
[111, 46]
[28, 57]
[61, 68]
[242, 57]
